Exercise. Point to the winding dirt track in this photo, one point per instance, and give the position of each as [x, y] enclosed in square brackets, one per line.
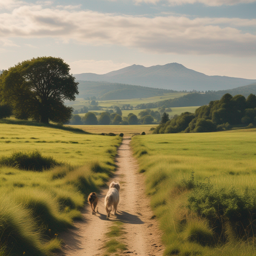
[142, 235]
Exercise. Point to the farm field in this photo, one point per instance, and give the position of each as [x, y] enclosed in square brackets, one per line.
[127, 130]
[79, 103]
[175, 111]
[202, 188]
[35, 206]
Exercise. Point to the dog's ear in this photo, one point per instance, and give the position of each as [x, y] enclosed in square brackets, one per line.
[117, 186]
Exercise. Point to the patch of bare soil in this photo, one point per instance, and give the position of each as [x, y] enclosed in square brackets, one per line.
[142, 236]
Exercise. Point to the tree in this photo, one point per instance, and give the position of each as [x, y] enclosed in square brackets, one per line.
[104, 118]
[76, 119]
[37, 88]
[148, 119]
[90, 118]
[132, 119]
[117, 119]
[165, 118]
[118, 110]
[5, 111]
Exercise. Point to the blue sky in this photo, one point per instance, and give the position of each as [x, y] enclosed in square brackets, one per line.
[216, 37]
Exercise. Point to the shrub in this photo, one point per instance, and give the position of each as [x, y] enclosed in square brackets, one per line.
[29, 161]
[250, 125]
[121, 134]
[222, 207]
[143, 133]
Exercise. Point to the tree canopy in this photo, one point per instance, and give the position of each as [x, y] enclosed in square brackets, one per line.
[217, 115]
[37, 89]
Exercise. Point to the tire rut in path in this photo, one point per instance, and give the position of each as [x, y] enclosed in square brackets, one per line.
[142, 235]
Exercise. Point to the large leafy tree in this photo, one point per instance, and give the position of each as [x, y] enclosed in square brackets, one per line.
[37, 89]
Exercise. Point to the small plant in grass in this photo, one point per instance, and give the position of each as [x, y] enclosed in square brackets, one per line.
[29, 161]
[115, 232]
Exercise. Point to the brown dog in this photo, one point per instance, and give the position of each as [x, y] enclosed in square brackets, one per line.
[93, 201]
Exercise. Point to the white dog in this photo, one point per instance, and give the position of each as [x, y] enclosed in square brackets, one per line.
[112, 198]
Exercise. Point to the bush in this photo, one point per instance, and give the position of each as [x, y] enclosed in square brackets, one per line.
[143, 133]
[203, 125]
[250, 125]
[29, 161]
[223, 207]
[121, 134]
[90, 118]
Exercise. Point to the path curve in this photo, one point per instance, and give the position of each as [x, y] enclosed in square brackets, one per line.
[142, 236]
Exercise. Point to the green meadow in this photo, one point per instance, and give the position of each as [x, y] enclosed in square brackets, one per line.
[35, 206]
[133, 102]
[202, 189]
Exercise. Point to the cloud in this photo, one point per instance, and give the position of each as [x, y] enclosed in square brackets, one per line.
[94, 66]
[205, 2]
[10, 4]
[169, 34]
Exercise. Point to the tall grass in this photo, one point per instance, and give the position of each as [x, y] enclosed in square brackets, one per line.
[202, 190]
[36, 206]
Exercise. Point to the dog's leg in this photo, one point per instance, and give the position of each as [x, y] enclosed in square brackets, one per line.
[115, 208]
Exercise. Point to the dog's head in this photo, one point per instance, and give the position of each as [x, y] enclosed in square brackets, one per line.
[115, 185]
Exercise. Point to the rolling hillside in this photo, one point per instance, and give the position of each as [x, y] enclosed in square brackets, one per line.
[171, 76]
[113, 91]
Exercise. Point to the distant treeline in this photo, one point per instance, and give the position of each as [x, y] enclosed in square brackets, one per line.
[217, 115]
[199, 99]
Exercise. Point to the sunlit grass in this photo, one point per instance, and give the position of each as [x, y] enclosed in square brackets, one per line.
[36, 206]
[226, 160]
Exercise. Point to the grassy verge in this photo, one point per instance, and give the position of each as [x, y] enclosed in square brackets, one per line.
[36, 206]
[202, 189]
[115, 245]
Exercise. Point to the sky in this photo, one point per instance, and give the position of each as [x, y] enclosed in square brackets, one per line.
[215, 37]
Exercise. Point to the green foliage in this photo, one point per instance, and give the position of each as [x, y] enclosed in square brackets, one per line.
[29, 161]
[117, 119]
[165, 118]
[76, 119]
[147, 119]
[225, 208]
[90, 118]
[37, 88]
[132, 119]
[232, 110]
[5, 111]
[104, 118]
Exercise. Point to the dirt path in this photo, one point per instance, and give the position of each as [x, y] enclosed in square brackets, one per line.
[142, 234]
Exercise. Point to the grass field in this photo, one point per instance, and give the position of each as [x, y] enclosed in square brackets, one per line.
[36, 206]
[127, 130]
[79, 103]
[202, 189]
[175, 111]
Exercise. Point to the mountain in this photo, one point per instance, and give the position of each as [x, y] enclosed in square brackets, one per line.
[113, 91]
[171, 76]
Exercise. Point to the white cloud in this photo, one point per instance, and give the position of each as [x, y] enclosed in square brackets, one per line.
[206, 2]
[170, 34]
[94, 66]
[10, 4]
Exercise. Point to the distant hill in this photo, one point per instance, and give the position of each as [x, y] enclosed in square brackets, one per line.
[171, 76]
[113, 91]
[199, 99]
